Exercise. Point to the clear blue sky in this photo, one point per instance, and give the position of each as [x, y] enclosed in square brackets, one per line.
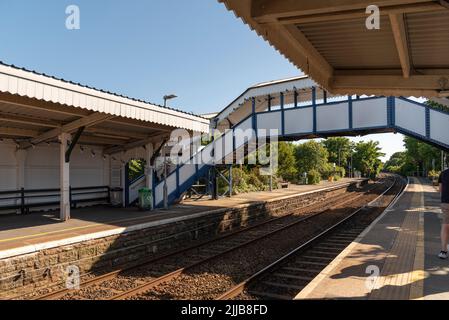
[145, 49]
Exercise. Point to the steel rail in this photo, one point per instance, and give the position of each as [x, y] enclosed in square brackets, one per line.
[114, 274]
[241, 287]
[172, 275]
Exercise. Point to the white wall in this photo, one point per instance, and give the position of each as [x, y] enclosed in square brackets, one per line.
[8, 167]
[42, 168]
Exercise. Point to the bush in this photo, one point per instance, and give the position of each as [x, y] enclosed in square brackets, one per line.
[247, 179]
[314, 177]
[327, 171]
[434, 175]
[340, 172]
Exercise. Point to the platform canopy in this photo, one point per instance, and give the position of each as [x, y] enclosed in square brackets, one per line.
[329, 40]
[36, 109]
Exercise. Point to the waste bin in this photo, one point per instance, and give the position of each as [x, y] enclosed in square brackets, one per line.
[145, 199]
[117, 197]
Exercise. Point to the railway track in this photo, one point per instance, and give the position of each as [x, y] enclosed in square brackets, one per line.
[112, 276]
[286, 277]
[137, 280]
[200, 276]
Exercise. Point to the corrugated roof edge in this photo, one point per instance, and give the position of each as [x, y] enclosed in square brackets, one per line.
[264, 84]
[268, 83]
[96, 89]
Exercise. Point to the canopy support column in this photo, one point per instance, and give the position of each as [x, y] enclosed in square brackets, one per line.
[64, 138]
[149, 151]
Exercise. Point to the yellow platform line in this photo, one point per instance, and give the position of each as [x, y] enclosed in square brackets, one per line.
[36, 235]
[419, 274]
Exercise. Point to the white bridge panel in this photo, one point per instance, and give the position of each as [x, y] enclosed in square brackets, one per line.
[333, 117]
[439, 126]
[244, 132]
[269, 121]
[299, 120]
[186, 172]
[245, 125]
[411, 117]
[370, 113]
[159, 193]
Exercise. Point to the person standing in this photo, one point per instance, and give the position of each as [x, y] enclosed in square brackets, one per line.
[443, 181]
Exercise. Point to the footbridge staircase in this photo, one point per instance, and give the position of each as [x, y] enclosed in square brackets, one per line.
[297, 108]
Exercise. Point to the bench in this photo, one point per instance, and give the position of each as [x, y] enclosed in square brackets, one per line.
[25, 200]
[284, 184]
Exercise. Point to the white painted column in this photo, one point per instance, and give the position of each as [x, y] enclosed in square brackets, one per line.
[196, 142]
[149, 151]
[64, 169]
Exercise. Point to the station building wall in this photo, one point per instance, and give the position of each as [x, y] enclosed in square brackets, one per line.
[41, 167]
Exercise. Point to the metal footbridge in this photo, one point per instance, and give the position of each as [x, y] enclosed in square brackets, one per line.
[297, 109]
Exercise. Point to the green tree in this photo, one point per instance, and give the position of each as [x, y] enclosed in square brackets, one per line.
[287, 162]
[311, 155]
[396, 162]
[136, 169]
[367, 158]
[437, 106]
[339, 149]
[421, 156]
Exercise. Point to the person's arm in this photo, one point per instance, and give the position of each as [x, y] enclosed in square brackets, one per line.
[440, 182]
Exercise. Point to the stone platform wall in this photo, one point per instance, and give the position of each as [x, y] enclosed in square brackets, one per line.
[47, 268]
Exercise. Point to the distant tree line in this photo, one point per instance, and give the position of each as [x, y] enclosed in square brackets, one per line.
[330, 159]
[418, 159]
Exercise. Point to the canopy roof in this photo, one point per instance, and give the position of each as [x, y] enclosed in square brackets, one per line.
[36, 108]
[329, 40]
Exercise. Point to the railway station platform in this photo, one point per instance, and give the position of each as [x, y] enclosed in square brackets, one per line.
[21, 234]
[37, 249]
[395, 258]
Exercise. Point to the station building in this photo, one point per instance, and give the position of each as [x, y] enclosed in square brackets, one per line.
[65, 145]
[76, 141]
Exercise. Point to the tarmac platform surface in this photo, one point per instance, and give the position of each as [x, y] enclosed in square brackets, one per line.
[395, 258]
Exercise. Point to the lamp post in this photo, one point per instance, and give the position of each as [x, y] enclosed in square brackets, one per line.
[165, 182]
[169, 97]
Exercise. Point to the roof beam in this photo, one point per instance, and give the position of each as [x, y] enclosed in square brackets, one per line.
[136, 144]
[96, 141]
[400, 37]
[13, 118]
[16, 132]
[141, 124]
[268, 10]
[415, 85]
[430, 82]
[300, 42]
[117, 134]
[88, 121]
[361, 13]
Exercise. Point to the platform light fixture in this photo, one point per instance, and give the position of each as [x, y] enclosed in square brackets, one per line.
[169, 97]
